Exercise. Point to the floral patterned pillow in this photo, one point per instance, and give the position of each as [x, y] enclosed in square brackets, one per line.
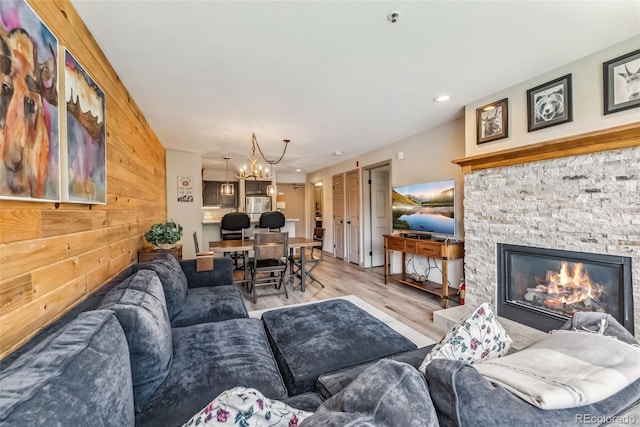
[478, 337]
[247, 407]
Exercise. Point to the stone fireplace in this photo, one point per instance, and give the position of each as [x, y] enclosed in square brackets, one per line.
[581, 199]
[543, 287]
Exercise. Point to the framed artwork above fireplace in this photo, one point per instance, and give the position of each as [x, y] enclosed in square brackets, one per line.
[622, 82]
[550, 104]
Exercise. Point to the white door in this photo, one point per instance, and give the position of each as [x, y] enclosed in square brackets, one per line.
[338, 216]
[380, 214]
[353, 216]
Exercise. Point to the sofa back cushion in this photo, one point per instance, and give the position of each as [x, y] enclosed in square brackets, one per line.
[141, 309]
[173, 279]
[79, 375]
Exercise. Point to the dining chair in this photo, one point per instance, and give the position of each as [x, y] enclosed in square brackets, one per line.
[196, 245]
[232, 227]
[269, 263]
[311, 260]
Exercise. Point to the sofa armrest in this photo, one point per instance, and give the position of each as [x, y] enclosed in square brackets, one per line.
[463, 397]
[221, 275]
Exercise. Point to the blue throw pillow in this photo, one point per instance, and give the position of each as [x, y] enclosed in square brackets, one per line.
[141, 309]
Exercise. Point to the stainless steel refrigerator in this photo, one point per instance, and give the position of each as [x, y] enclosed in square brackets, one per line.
[254, 206]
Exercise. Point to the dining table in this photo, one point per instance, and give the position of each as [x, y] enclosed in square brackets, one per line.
[246, 245]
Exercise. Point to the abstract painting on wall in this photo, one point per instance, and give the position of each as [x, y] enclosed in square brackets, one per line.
[84, 175]
[29, 113]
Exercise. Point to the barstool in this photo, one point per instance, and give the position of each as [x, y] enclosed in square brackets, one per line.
[232, 228]
[272, 221]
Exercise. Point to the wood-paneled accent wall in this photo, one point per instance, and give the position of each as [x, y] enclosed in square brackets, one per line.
[52, 257]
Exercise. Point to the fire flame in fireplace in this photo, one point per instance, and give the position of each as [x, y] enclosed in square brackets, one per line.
[568, 288]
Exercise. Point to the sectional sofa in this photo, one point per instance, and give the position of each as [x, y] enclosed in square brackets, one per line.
[157, 344]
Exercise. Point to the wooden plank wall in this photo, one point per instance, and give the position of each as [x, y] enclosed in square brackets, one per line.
[52, 256]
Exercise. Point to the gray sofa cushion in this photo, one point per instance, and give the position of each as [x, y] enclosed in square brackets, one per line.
[208, 359]
[387, 394]
[331, 384]
[315, 339]
[174, 282]
[79, 375]
[308, 401]
[463, 397]
[211, 305]
[221, 275]
[141, 309]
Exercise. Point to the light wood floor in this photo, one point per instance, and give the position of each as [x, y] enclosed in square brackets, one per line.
[411, 306]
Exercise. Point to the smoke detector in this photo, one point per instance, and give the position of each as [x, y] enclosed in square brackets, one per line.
[393, 17]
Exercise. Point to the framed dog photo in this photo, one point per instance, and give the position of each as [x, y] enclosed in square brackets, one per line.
[492, 121]
[622, 82]
[549, 104]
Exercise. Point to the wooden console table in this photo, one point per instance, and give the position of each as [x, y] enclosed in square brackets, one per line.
[443, 251]
[148, 253]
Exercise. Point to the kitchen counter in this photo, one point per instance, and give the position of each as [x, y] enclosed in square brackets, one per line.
[211, 229]
[218, 221]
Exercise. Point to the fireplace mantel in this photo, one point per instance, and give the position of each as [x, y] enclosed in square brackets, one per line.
[607, 139]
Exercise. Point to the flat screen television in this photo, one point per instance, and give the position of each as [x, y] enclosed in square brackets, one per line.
[425, 208]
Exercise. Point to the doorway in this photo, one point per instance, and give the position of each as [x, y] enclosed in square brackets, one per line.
[377, 217]
[290, 200]
[338, 216]
[353, 216]
[317, 205]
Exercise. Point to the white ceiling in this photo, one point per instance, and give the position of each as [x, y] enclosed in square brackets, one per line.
[332, 75]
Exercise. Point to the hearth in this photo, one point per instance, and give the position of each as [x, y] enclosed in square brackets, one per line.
[543, 287]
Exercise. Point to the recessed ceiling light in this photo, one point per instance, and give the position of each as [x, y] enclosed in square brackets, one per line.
[442, 98]
[298, 170]
[337, 153]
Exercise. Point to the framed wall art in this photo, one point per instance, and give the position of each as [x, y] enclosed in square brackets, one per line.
[84, 176]
[549, 104]
[185, 189]
[622, 82]
[492, 121]
[30, 166]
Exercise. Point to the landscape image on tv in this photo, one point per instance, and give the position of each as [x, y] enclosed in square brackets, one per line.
[427, 207]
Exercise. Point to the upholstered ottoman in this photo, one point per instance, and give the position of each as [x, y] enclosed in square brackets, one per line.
[315, 339]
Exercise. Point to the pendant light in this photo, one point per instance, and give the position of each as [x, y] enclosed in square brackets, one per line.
[227, 189]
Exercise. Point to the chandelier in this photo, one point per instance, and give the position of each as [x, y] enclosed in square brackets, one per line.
[255, 169]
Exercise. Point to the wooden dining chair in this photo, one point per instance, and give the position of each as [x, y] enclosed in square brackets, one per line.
[269, 264]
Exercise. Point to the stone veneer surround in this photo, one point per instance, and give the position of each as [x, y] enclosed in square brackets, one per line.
[587, 203]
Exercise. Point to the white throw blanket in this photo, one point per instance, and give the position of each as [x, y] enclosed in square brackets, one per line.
[566, 369]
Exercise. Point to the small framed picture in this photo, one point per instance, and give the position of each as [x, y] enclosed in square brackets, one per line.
[549, 104]
[492, 121]
[185, 189]
[622, 82]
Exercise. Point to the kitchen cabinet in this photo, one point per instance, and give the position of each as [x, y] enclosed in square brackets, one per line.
[252, 186]
[211, 195]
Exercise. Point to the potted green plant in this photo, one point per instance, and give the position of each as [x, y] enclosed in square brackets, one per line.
[164, 235]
